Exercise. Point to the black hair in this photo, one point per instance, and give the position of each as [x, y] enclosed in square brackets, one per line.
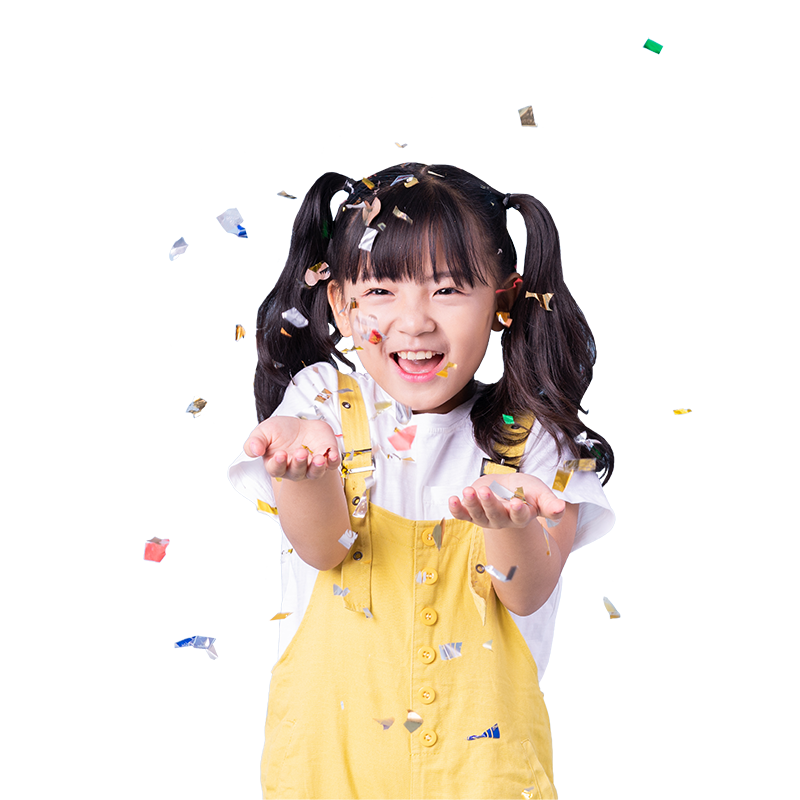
[458, 220]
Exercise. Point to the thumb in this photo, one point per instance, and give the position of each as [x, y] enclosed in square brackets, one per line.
[255, 446]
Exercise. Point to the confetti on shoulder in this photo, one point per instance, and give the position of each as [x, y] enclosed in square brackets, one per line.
[612, 611]
[442, 373]
[286, 194]
[196, 406]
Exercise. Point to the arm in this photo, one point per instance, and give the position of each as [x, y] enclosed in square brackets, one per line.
[314, 515]
[527, 549]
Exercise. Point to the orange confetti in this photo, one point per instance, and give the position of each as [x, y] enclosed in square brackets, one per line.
[239, 333]
[285, 333]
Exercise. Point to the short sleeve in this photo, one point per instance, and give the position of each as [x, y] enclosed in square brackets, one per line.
[595, 515]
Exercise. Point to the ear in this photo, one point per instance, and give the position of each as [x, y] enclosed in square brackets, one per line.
[336, 301]
[505, 299]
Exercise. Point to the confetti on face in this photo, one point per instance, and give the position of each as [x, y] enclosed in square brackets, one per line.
[239, 333]
[266, 508]
[580, 465]
[654, 47]
[526, 117]
[612, 612]
[178, 249]
[196, 406]
[385, 723]
[200, 643]
[155, 549]
[281, 615]
[348, 538]
[295, 317]
[281, 193]
[368, 239]
[232, 221]
[442, 373]
[369, 330]
[375, 337]
[682, 411]
[339, 592]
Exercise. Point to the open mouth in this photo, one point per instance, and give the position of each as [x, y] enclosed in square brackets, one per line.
[418, 362]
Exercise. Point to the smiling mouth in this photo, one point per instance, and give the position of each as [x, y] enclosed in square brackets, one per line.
[418, 362]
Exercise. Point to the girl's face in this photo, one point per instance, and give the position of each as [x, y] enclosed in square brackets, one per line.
[435, 318]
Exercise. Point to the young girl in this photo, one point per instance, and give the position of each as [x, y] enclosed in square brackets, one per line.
[423, 545]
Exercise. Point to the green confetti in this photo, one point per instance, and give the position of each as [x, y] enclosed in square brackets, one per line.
[508, 419]
[654, 46]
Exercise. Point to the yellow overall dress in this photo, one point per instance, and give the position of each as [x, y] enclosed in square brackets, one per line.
[419, 634]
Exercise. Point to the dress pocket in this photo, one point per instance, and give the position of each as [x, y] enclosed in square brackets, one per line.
[276, 747]
[540, 786]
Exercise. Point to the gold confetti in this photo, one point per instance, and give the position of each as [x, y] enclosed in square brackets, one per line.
[323, 396]
[402, 215]
[581, 465]
[239, 333]
[401, 145]
[368, 183]
[542, 299]
[504, 318]
[442, 373]
[281, 193]
[319, 272]
[526, 117]
[410, 182]
[266, 508]
[196, 407]
[351, 349]
[612, 612]
[561, 480]
[281, 615]
[382, 405]
[385, 723]
[530, 793]
[353, 303]
[283, 331]
[682, 411]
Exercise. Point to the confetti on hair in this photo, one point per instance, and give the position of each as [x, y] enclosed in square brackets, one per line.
[381, 225]
[286, 333]
[278, 365]
[319, 272]
[368, 239]
[281, 193]
[232, 221]
[413, 722]
[385, 723]
[495, 573]
[266, 508]
[348, 538]
[155, 549]
[371, 210]
[403, 439]
[178, 249]
[581, 439]
[612, 611]
[581, 465]
[200, 643]
[295, 317]
[504, 318]
[542, 299]
[411, 182]
[430, 172]
[654, 47]
[508, 419]
[488, 645]
[401, 145]
[239, 333]
[196, 406]
[368, 183]
[281, 615]
[402, 215]
[400, 178]
[682, 411]
[526, 117]
[339, 592]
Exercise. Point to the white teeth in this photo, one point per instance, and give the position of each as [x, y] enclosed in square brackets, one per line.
[411, 355]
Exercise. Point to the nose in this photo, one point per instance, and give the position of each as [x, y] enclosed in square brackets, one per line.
[413, 318]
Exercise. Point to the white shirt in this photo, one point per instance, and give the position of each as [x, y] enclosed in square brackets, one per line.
[446, 461]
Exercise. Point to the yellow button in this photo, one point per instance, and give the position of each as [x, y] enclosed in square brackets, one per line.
[428, 616]
[426, 654]
[427, 538]
[431, 576]
[427, 695]
[428, 737]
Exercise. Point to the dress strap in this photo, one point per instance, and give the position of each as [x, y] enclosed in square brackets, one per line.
[358, 465]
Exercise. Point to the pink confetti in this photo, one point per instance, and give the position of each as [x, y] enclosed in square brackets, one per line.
[403, 439]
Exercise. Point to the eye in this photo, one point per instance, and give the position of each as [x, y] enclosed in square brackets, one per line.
[450, 289]
[378, 292]
[446, 289]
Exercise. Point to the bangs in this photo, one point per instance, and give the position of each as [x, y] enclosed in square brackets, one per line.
[444, 235]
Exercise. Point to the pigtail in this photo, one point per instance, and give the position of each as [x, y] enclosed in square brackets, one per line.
[548, 356]
[281, 356]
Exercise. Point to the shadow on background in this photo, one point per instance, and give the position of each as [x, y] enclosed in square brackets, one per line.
[152, 727]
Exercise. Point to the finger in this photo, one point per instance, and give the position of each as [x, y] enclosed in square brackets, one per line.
[297, 465]
[458, 511]
[474, 507]
[317, 467]
[495, 511]
[520, 513]
[255, 446]
[276, 466]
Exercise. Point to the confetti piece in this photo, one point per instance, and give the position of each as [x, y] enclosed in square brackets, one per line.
[400, 178]
[500, 491]
[546, 538]
[368, 613]
[488, 645]
[612, 612]
[281, 193]
[353, 303]
[196, 407]
[351, 349]
[402, 215]
[581, 465]
[155, 549]
[239, 333]
[530, 793]
[413, 722]
[682, 411]
[295, 317]
[508, 419]
[443, 372]
[561, 480]
[319, 272]
[266, 508]
[371, 210]
[504, 318]
[655, 47]
[361, 509]
[368, 239]
[200, 643]
[581, 439]
[375, 336]
[339, 592]
[403, 439]
[401, 145]
[437, 534]
[281, 615]
[286, 333]
[385, 723]
[232, 221]
[430, 172]
[348, 538]
[341, 703]
[489, 733]
[420, 576]
[450, 650]
[513, 285]
[368, 183]
[542, 299]
[495, 573]
[323, 396]
[178, 249]
[526, 117]
[411, 182]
